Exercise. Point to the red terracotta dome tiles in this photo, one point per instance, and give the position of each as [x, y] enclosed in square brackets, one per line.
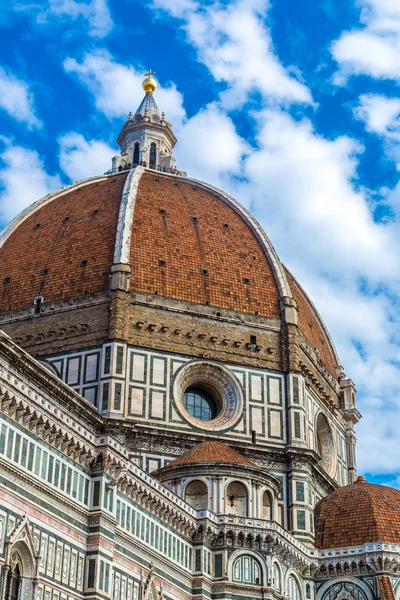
[211, 256]
[211, 452]
[46, 254]
[386, 587]
[358, 514]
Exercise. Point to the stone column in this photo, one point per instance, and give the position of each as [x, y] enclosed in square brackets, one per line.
[5, 569]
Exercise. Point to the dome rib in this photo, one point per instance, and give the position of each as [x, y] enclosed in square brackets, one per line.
[123, 238]
[312, 325]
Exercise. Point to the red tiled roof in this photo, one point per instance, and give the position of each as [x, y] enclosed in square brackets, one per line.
[197, 230]
[187, 244]
[211, 452]
[311, 326]
[386, 587]
[46, 254]
[357, 514]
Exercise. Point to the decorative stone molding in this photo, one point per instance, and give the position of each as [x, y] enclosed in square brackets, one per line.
[220, 383]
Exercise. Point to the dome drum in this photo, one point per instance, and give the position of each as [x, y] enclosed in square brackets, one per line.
[212, 476]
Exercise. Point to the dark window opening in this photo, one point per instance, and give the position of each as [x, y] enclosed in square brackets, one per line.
[84, 263]
[136, 153]
[200, 404]
[15, 584]
[162, 263]
[153, 155]
[37, 303]
[6, 280]
[204, 271]
[162, 211]
[44, 271]
[253, 340]
[246, 280]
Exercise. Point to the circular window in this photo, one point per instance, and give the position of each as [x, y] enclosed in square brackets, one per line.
[200, 404]
[208, 396]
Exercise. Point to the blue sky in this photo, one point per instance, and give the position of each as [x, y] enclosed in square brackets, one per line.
[292, 107]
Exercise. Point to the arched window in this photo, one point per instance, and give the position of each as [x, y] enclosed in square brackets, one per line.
[200, 404]
[276, 578]
[236, 499]
[293, 589]
[267, 506]
[136, 153]
[15, 584]
[153, 155]
[197, 495]
[247, 570]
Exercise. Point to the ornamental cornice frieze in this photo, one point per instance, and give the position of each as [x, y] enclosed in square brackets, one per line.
[58, 306]
[45, 389]
[375, 557]
[36, 420]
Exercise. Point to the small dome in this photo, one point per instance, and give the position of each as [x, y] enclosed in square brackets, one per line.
[357, 514]
[211, 452]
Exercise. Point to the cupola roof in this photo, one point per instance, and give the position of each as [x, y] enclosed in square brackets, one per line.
[211, 452]
[148, 104]
[357, 514]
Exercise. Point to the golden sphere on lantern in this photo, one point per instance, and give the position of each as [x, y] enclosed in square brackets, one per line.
[149, 84]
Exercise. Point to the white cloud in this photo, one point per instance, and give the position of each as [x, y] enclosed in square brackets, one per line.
[94, 12]
[209, 146]
[233, 41]
[17, 99]
[380, 114]
[301, 185]
[80, 158]
[23, 180]
[117, 88]
[302, 188]
[375, 48]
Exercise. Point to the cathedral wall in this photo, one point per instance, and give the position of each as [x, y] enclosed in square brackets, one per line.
[136, 385]
[59, 327]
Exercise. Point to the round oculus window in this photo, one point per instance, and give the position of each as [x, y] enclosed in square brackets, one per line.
[208, 396]
[200, 404]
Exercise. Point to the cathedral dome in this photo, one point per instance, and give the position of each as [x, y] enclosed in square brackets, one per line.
[182, 239]
[357, 514]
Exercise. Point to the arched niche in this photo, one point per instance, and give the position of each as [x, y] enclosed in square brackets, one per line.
[293, 588]
[347, 588]
[21, 572]
[236, 500]
[325, 444]
[247, 569]
[196, 494]
[267, 506]
[276, 578]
